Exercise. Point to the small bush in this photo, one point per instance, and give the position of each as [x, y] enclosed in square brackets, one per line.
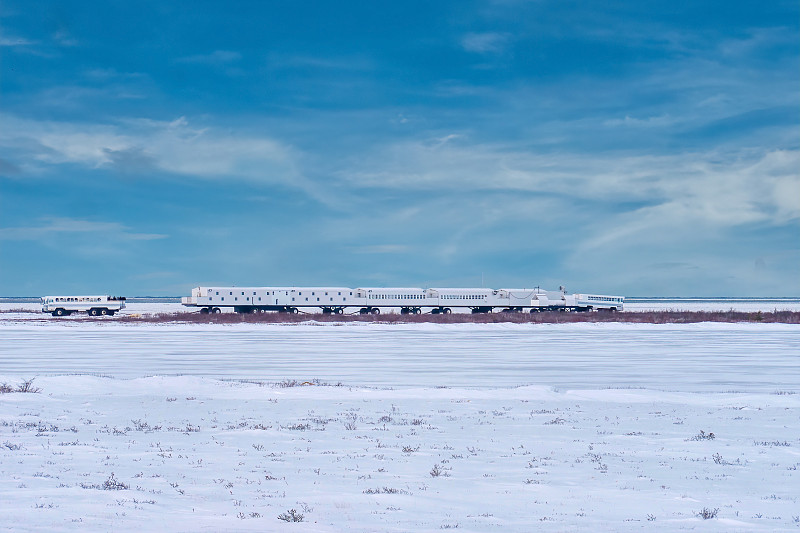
[704, 436]
[26, 386]
[291, 516]
[113, 483]
[437, 471]
[707, 513]
[385, 490]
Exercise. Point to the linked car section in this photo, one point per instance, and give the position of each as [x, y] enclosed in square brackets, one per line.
[371, 300]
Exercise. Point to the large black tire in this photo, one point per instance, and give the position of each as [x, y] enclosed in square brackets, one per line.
[376, 311]
[217, 310]
[447, 310]
[58, 312]
[92, 312]
[104, 311]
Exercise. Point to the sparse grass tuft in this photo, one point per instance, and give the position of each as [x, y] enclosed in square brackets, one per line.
[113, 483]
[385, 490]
[707, 513]
[291, 516]
[546, 317]
[704, 436]
[26, 387]
[437, 471]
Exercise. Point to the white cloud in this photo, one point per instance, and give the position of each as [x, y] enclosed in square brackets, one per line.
[5, 40]
[382, 249]
[217, 57]
[485, 43]
[722, 188]
[50, 227]
[173, 147]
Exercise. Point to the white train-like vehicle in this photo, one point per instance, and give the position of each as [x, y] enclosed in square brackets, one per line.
[92, 305]
[371, 300]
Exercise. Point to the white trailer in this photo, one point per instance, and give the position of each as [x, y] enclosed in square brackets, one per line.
[371, 300]
[93, 305]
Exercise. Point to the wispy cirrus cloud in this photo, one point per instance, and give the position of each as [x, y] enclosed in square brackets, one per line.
[50, 227]
[172, 147]
[216, 58]
[485, 43]
[11, 41]
[726, 188]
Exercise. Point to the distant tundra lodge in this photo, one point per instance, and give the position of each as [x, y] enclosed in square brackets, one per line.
[334, 300]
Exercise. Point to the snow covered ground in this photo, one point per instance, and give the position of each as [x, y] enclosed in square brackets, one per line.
[474, 427]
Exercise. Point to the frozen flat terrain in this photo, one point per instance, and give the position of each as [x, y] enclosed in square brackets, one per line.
[688, 357]
[474, 427]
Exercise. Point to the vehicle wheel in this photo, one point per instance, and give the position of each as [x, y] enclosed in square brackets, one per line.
[204, 311]
[295, 310]
[58, 312]
[447, 310]
[92, 312]
[417, 311]
[111, 313]
[376, 311]
[340, 311]
[217, 310]
[104, 311]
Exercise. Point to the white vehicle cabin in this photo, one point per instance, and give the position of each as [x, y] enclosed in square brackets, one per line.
[93, 305]
[371, 300]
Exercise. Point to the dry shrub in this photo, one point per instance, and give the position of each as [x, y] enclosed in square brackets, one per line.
[545, 317]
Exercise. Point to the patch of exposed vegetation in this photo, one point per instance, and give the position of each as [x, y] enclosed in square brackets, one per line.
[546, 317]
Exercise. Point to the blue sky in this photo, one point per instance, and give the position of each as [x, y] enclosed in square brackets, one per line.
[635, 148]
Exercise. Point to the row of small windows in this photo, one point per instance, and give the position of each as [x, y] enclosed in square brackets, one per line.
[396, 296]
[462, 297]
[76, 299]
[605, 298]
[267, 293]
